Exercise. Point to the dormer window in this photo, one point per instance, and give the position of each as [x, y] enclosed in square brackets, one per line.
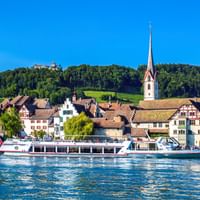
[149, 78]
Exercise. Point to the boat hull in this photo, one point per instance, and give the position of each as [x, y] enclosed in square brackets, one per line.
[75, 155]
[168, 154]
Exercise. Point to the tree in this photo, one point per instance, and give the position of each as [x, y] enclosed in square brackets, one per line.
[39, 134]
[78, 127]
[10, 122]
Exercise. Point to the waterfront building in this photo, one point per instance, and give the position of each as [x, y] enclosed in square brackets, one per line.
[73, 108]
[35, 114]
[109, 128]
[66, 111]
[185, 123]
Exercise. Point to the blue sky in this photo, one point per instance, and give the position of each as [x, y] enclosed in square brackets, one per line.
[98, 32]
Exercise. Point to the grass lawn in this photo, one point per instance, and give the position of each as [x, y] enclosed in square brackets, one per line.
[124, 97]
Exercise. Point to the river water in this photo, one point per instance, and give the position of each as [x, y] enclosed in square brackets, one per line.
[113, 178]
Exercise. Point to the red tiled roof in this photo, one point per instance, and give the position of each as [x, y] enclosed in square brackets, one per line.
[124, 110]
[166, 103]
[109, 106]
[40, 103]
[103, 123]
[43, 113]
[138, 132]
[152, 115]
[158, 130]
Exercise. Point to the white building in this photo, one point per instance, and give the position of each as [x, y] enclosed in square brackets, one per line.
[66, 111]
[36, 120]
[185, 124]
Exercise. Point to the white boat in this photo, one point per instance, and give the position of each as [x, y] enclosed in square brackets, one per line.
[16, 147]
[161, 148]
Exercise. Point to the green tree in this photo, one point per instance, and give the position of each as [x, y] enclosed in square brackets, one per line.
[10, 122]
[78, 127]
[39, 134]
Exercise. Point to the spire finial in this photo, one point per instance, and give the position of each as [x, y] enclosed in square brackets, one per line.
[150, 26]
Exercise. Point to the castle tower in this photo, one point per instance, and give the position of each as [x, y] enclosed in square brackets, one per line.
[150, 77]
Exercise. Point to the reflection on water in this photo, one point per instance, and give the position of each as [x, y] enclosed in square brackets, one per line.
[118, 178]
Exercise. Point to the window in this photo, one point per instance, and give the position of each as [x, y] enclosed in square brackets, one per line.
[174, 122]
[64, 112]
[175, 132]
[149, 86]
[192, 122]
[33, 127]
[182, 122]
[44, 121]
[38, 121]
[154, 125]
[61, 128]
[61, 119]
[166, 125]
[149, 78]
[183, 114]
[38, 127]
[70, 112]
[198, 131]
[181, 132]
[44, 127]
[160, 125]
[67, 112]
[192, 113]
[32, 121]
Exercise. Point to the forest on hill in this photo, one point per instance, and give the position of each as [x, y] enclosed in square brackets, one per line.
[175, 80]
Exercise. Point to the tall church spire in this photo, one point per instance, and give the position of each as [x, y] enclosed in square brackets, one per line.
[150, 65]
[150, 77]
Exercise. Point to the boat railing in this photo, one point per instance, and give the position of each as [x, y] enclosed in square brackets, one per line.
[90, 139]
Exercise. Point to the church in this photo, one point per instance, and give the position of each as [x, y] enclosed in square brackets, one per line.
[176, 117]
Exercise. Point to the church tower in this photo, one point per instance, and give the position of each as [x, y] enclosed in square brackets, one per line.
[150, 77]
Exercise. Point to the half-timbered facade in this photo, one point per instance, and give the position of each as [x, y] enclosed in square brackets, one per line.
[185, 124]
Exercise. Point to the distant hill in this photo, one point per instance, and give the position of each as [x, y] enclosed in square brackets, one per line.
[105, 96]
[175, 80]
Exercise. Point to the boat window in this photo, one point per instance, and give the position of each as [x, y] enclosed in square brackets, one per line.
[62, 149]
[152, 146]
[97, 150]
[117, 150]
[30, 149]
[39, 149]
[73, 150]
[50, 149]
[131, 146]
[108, 150]
[85, 149]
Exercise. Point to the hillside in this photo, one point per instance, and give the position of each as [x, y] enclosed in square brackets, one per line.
[175, 80]
[103, 96]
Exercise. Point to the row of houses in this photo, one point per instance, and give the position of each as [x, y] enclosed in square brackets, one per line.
[179, 118]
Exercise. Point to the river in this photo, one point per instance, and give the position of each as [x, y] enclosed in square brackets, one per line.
[114, 178]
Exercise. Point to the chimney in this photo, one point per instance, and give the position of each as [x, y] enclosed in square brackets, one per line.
[74, 97]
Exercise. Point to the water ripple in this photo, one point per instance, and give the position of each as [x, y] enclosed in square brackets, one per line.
[118, 178]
